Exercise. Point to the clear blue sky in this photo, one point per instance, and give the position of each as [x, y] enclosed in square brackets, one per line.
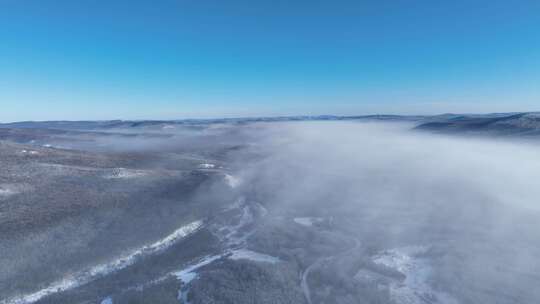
[196, 58]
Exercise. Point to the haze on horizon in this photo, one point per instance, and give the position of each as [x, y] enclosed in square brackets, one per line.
[196, 59]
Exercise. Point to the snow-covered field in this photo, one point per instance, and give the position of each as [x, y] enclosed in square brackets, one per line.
[414, 289]
[189, 273]
[246, 254]
[107, 301]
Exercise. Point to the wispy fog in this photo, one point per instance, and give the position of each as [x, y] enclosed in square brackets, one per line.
[390, 163]
[473, 202]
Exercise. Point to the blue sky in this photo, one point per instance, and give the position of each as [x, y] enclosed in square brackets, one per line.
[195, 58]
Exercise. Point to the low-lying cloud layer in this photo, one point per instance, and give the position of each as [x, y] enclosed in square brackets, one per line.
[473, 201]
[392, 164]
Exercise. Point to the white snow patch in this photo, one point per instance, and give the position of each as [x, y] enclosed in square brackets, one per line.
[189, 273]
[234, 232]
[232, 181]
[415, 288]
[7, 190]
[107, 301]
[207, 166]
[160, 245]
[236, 235]
[100, 270]
[307, 221]
[183, 296]
[176, 235]
[245, 254]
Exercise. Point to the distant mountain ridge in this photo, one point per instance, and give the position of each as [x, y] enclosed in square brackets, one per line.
[110, 124]
[506, 124]
[500, 124]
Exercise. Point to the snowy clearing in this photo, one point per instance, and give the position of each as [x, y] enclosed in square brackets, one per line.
[245, 254]
[415, 288]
